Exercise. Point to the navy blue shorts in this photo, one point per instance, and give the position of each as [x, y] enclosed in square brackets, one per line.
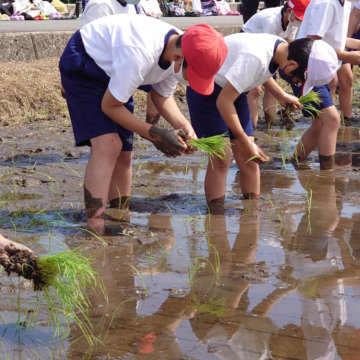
[206, 119]
[324, 93]
[85, 84]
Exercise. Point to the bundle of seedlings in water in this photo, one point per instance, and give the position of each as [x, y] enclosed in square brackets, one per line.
[307, 101]
[64, 280]
[213, 145]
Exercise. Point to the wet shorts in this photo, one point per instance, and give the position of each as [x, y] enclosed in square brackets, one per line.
[324, 93]
[206, 119]
[85, 84]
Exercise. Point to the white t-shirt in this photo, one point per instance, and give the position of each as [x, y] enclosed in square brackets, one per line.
[151, 7]
[328, 19]
[128, 48]
[265, 21]
[96, 9]
[357, 5]
[247, 63]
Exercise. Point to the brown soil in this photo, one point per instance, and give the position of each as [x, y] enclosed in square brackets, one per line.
[24, 264]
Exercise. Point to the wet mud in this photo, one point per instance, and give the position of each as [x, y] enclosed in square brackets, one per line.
[273, 278]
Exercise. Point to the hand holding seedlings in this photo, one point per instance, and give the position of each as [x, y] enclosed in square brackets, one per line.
[308, 103]
[254, 153]
[212, 145]
[290, 101]
[167, 141]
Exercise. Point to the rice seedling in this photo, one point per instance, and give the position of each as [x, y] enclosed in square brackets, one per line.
[140, 276]
[213, 145]
[64, 280]
[308, 101]
[216, 145]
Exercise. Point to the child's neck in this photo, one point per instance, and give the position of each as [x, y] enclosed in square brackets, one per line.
[281, 54]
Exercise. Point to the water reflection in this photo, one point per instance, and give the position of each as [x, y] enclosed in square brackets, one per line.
[272, 279]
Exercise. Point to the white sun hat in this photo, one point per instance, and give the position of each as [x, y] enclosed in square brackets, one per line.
[322, 66]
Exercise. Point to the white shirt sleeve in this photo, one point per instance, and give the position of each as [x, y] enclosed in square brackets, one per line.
[126, 74]
[357, 5]
[245, 73]
[321, 19]
[166, 87]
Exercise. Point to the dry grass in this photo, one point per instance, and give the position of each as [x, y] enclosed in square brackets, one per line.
[32, 90]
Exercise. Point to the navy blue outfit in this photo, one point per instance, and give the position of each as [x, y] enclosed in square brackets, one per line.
[85, 84]
[206, 119]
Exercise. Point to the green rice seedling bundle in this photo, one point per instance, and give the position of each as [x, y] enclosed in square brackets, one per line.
[213, 145]
[67, 278]
[307, 102]
[64, 280]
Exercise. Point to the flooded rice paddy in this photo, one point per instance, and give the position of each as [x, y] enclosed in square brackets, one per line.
[276, 278]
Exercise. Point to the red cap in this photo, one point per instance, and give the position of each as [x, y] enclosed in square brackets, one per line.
[298, 7]
[205, 51]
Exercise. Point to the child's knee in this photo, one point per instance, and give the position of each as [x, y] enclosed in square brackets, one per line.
[329, 118]
[109, 148]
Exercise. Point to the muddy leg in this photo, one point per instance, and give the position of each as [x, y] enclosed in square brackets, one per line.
[216, 206]
[95, 209]
[215, 179]
[269, 106]
[120, 186]
[152, 114]
[326, 162]
[105, 150]
[249, 173]
[120, 202]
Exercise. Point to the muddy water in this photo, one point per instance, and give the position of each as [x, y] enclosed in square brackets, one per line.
[272, 279]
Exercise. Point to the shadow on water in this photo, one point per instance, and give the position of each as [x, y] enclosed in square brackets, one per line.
[276, 278]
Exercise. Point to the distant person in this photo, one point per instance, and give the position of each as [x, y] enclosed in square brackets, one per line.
[327, 20]
[102, 66]
[95, 9]
[283, 21]
[250, 7]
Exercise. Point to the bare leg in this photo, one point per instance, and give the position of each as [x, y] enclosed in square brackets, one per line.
[249, 173]
[215, 183]
[322, 133]
[253, 101]
[269, 106]
[332, 86]
[152, 114]
[346, 78]
[105, 150]
[120, 185]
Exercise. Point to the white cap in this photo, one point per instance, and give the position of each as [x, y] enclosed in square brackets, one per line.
[322, 66]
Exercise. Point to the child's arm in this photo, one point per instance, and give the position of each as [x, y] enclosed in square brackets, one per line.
[351, 57]
[163, 139]
[282, 96]
[168, 108]
[225, 105]
[354, 21]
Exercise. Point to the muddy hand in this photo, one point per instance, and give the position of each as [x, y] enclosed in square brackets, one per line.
[166, 141]
[8, 248]
[257, 155]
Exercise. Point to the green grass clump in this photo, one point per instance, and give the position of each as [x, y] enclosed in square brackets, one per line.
[307, 102]
[213, 145]
[67, 278]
